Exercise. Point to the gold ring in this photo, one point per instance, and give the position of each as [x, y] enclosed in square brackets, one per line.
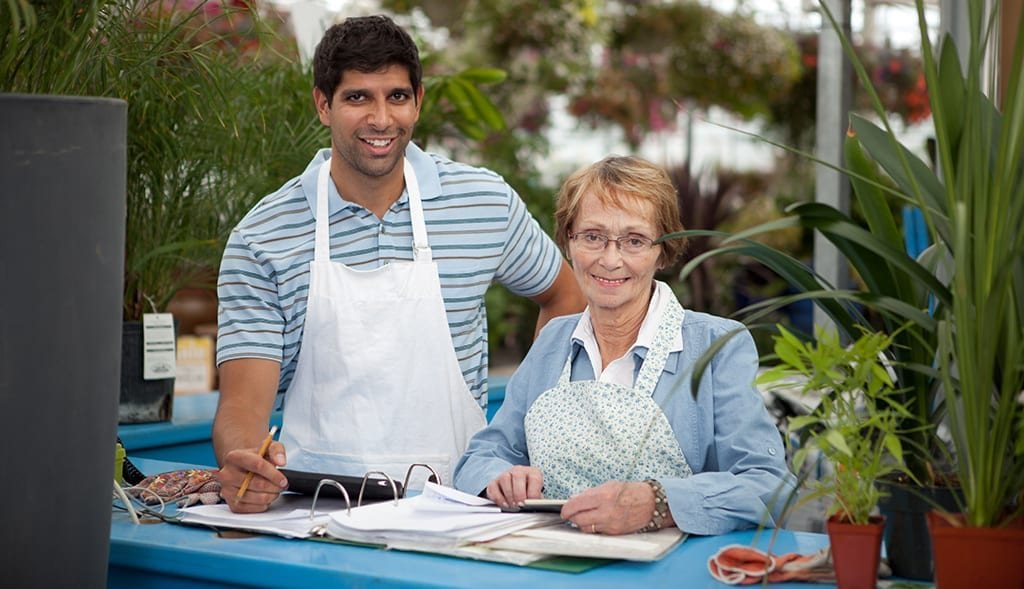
[593, 528]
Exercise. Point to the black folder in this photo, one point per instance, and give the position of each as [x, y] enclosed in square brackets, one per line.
[377, 489]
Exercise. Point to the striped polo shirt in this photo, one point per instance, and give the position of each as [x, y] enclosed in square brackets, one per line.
[478, 228]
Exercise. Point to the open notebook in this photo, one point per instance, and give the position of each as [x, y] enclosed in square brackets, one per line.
[440, 520]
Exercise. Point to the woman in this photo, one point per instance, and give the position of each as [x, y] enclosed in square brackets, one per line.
[600, 411]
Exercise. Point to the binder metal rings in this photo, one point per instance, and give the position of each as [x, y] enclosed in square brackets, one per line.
[362, 487]
[394, 491]
[408, 475]
[333, 483]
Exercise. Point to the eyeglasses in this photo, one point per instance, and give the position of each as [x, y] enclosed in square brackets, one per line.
[631, 244]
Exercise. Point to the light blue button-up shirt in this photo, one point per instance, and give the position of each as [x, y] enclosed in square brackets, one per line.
[740, 479]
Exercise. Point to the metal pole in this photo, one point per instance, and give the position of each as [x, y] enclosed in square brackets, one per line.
[835, 90]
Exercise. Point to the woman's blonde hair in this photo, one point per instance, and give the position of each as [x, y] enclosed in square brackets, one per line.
[615, 180]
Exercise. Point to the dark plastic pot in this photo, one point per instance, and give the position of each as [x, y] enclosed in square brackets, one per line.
[141, 401]
[62, 215]
[907, 542]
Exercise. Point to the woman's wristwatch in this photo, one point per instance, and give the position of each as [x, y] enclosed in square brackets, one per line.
[660, 507]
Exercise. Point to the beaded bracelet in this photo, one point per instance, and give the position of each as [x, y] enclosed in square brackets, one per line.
[660, 507]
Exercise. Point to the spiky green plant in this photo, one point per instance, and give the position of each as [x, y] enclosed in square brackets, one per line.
[213, 125]
[961, 360]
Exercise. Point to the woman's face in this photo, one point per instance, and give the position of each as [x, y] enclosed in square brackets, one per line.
[610, 279]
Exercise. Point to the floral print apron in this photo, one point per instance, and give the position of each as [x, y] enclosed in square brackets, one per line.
[582, 434]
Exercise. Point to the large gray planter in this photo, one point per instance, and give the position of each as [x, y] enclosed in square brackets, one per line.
[62, 215]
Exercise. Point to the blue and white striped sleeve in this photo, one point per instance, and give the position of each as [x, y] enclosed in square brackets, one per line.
[250, 321]
[531, 260]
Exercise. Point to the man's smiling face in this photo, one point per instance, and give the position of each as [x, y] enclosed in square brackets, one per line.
[371, 117]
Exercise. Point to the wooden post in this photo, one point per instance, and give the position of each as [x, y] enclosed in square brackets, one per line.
[1009, 32]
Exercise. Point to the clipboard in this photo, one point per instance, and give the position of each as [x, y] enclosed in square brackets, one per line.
[377, 489]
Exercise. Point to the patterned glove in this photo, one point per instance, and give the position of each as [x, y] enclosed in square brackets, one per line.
[743, 565]
[184, 487]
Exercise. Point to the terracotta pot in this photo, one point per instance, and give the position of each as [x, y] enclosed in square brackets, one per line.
[855, 552]
[977, 557]
[193, 307]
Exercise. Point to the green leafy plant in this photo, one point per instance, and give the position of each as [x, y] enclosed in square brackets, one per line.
[662, 54]
[219, 115]
[981, 338]
[212, 124]
[454, 107]
[974, 208]
[897, 74]
[959, 362]
[856, 424]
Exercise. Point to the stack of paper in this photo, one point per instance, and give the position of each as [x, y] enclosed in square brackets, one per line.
[447, 521]
[438, 518]
[565, 541]
[288, 516]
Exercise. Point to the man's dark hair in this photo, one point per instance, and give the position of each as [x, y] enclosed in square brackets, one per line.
[365, 44]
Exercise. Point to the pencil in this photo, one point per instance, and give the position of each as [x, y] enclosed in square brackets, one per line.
[263, 452]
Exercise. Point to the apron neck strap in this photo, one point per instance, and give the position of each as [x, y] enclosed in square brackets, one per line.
[654, 362]
[420, 246]
[322, 248]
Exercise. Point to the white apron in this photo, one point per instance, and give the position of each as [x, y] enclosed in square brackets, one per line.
[377, 386]
[585, 433]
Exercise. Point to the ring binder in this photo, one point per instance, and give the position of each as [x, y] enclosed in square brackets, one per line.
[374, 489]
[434, 476]
[373, 486]
[333, 483]
[394, 491]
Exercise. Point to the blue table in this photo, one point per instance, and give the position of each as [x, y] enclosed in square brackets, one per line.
[186, 438]
[167, 555]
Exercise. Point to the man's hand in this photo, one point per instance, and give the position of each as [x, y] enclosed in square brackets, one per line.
[267, 482]
[512, 487]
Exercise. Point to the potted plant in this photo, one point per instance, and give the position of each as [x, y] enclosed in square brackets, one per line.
[62, 165]
[981, 335]
[974, 208]
[958, 362]
[898, 291]
[211, 126]
[219, 115]
[854, 428]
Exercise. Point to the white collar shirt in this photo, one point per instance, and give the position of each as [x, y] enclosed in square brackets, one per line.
[622, 371]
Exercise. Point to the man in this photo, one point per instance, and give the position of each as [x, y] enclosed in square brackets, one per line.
[356, 290]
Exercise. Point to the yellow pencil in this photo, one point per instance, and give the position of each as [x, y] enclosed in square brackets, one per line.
[263, 451]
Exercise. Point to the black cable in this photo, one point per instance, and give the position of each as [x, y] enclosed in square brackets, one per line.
[129, 472]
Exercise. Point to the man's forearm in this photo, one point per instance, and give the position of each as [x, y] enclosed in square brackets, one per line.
[247, 391]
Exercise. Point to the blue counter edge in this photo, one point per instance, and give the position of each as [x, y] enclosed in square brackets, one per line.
[192, 420]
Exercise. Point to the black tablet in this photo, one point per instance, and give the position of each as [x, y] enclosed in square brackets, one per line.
[377, 489]
[538, 506]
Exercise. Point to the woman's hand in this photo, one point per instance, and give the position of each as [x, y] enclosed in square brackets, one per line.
[267, 482]
[613, 508]
[512, 487]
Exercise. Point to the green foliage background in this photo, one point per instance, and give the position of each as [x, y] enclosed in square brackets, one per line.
[213, 124]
